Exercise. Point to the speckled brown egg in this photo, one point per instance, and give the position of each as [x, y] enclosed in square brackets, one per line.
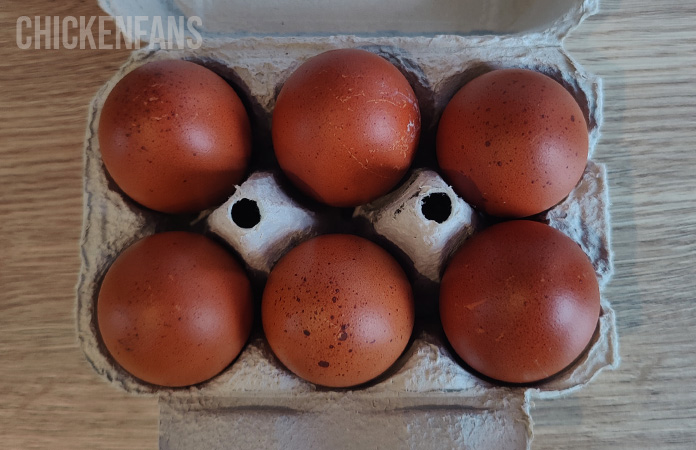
[175, 137]
[345, 127]
[174, 309]
[519, 301]
[337, 310]
[512, 142]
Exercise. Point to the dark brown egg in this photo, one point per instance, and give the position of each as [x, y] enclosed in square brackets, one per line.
[175, 136]
[512, 142]
[337, 310]
[345, 127]
[519, 301]
[174, 309]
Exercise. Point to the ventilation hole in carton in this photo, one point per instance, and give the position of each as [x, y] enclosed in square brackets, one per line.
[245, 213]
[436, 207]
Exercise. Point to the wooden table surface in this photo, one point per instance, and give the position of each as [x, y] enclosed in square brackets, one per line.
[646, 52]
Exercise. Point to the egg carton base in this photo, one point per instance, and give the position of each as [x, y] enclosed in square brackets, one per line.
[233, 410]
[444, 422]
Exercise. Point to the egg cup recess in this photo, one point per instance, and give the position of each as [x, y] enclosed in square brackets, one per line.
[427, 373]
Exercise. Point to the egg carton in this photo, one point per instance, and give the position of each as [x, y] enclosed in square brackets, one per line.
[427, 399]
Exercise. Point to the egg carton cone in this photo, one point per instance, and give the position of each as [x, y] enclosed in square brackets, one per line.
[261, 221]
[423, 218]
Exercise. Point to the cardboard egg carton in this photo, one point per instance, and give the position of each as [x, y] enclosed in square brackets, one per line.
[427, 399]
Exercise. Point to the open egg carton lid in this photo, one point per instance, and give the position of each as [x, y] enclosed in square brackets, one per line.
[545, 19]
[427, 400]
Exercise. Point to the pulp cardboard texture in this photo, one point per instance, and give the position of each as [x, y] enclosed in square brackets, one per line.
[428, 399]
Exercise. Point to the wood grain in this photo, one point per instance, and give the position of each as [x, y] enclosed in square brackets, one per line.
[646, 54]
[49, 396]
[644, 50]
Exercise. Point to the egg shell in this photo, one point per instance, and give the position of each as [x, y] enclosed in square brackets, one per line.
[513, 142]
[519, 301]
[175, 136]
[174, 309]
[337, 310]
[346, 126]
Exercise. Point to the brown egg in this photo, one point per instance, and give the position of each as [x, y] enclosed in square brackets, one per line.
[337, 310]
[174, 309]
[345, 127]
[512, 142]
[175, 136]
[519, 301]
